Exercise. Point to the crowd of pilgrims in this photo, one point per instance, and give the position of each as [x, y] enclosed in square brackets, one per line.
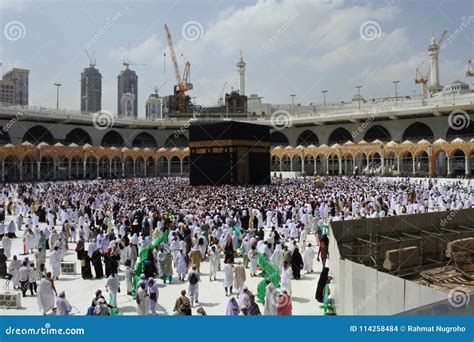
[111, 221]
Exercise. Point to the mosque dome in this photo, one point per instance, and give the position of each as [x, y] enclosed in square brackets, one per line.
[456, 86]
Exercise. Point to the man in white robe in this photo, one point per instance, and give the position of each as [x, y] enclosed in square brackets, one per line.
[7, 246]
[228, 270]
[308, 258]
[269, 308]
[113, 286]
[63, 308]
[55, 259]
[46, 292]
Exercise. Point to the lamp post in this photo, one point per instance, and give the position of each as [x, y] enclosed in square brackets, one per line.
[396, 91]
[57, 94]
[324, 99]
[358, 94]
[293, 103]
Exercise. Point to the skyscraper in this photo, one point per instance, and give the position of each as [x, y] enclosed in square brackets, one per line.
[91, 90]
[14, 87]
[127, 83]
[153, 107]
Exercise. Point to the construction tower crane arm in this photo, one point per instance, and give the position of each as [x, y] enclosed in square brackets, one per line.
[179, 82]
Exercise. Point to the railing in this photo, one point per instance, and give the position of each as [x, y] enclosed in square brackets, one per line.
[314, 111]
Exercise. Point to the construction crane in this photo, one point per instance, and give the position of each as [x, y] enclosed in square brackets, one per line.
[126, 63]
[470, 68]
[423, 79]
[157, 89]
[182, 82]
[92, 62]
[220, 100]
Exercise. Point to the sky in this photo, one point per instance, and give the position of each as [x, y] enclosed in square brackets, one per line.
[298, 47]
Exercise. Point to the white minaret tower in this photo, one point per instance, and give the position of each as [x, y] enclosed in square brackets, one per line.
[241, 70]
[433, 53]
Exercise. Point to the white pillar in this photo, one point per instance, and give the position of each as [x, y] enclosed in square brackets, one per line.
[98, 169]
[448, 160]
[181, 166]
[123, 169]
[414, 164]
[398, 164]
[382, 164]
[39, 169]
[466, 166]
[353, 166]
[327, 166]
[340, 165]
[302, 164]
[21, 170]
[315, 168]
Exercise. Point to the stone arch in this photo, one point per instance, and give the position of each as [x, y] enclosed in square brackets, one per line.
[78, 136]
[307, 138]
[275, 163]
[38, 134]
[279, 138]
[129, 167]
[91, 167]
[417, 131]
[143, 140]
[12, 168]
[77, 169]
[104, 167]
[465, 133]
[175, 165]
[377, 132]
[5, 138]
[116, 167]
[179, 141]
[340, 136]
[112, 139]
[162, 166]
[47, 171]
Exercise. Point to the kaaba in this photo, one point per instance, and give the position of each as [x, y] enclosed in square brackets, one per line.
[229, 152]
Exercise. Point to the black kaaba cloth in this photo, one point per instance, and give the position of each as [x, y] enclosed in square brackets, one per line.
[229, 152]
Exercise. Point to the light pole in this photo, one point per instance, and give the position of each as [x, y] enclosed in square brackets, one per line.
[396, 91]
[324, 99]
[358, 94]
[57, 94]
[293, 103]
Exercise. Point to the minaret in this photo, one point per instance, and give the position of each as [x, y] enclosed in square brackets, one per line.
[433, 53]
[241, 70]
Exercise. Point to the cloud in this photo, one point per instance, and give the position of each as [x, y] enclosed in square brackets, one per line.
[14, 5]
[149, 52]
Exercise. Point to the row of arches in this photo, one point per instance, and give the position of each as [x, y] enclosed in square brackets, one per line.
[407, 163]
[38, 134]
[46, 168]
[415, 131]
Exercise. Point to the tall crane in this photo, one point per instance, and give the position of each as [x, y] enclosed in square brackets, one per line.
[423, 79]
[220, 100]
[92, 62]
[182, 82]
